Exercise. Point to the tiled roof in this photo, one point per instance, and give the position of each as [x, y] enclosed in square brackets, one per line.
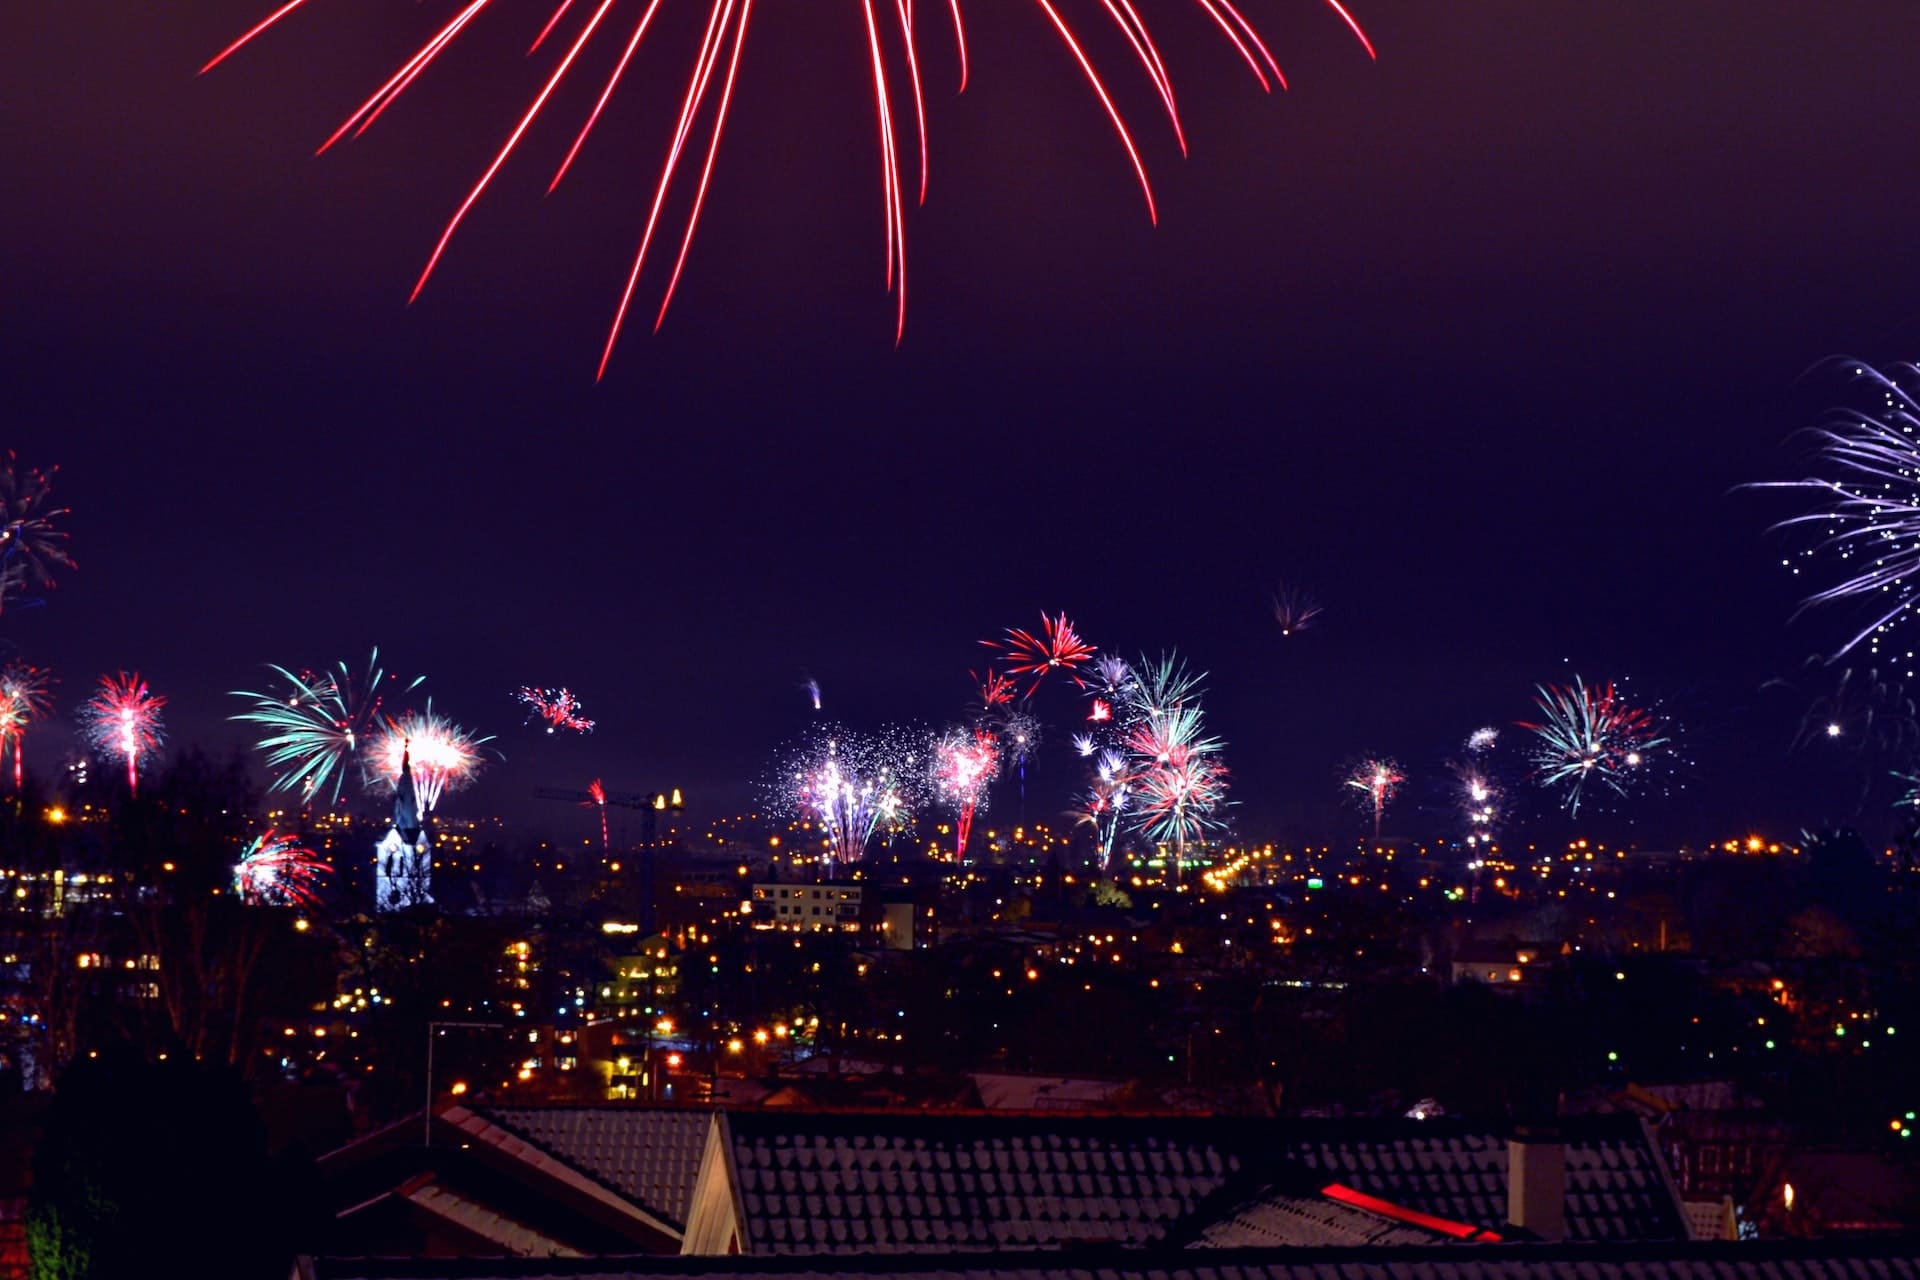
[1785, 1260]
[1617, 1189]
[650, 1155]
[1275, 1218]
[875, 1183]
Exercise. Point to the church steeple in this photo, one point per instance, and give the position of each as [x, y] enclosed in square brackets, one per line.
[406, 803]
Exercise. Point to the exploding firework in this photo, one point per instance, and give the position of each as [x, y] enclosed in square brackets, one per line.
[1482, 740]
[965, 761]
[1175, 785]
[1294, 610]
[30, 547]
[1159, 686]
[26, 694]
[853, 785]
[1376, 782]
[1057, 647]
[1104, 804]
[123, 719]
[1591, 736]
[276, 871]
[1865, 525]
[445, 756]
[1479, 797]
[995, 690]
[318, 722]
[713, 71]
[556, 708]
[597, 797]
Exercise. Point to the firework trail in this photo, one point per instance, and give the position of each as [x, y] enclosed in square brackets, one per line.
[964, 763]
[276, 871]
[1377, 781]
[853, 786]
[317, 722]
[1104, 803]
[30, 547]
[893, 46]
[1294, 610]
[445, 756]
[1591, 735]
[556, 708]
[597, 798]
[1056, 647]
[26, 694]
[1865, 525]
[123, 719]
[813, 692]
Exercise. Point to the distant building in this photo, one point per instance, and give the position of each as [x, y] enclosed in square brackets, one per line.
[808, 908]
[1502, 964]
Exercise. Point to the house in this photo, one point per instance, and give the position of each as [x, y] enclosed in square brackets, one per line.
[1502, 964]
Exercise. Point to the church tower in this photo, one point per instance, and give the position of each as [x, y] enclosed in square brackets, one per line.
[403, 860]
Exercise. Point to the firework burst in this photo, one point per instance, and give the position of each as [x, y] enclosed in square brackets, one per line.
[1591, 736]
[1480, 800]
[995, 690]
[123, 719]
[854, 786]
[1103, 805]
[1055, 647]
[317, 722]
[277, 871]
[892, 53]
[1375, 783]
[1294, 610]
[1865, 525]
[1174, 785]
[965, 761]
[1482, 740]
[30, 547]
[445, 756]
[26, 694]
[556, 708]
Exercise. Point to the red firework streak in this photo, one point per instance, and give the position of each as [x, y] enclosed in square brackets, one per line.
[709, 96]
[996, 690]
[1057, 647]
[123, 718]
[963, 767]
[597, 796]
[24, 698]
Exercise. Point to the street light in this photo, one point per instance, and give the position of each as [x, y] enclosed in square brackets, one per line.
[426, 1127]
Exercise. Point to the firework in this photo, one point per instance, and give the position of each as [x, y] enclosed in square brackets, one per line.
[276, 871]
[1173, 781]
[1482, 740]
[597, 797]
[964, 763]
[30, 547]
[1865, 524]
[995, 690]
[1479, 797]
[123, 719]
[1294, 610]
[709, 94]
[1377, 782]
[1591, 735]
[813, 692]
[1104, 803]
[26, 694]
[445, 756]
[556, 708]
[319, 721]
[1057, 647]
[853, 785]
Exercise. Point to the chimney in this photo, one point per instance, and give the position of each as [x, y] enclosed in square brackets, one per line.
[1537, 1181]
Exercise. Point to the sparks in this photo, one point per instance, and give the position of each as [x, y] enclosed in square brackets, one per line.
[556, 708]
[317, 721]
[1590, 735]
[445, 756]
[277, 871]
[26, 694]
[1056, 647]
[893, 54]
[853, 786]
[1377, 782]
[1294, 610]
[965, 761]
[123, 719]
[30, 547]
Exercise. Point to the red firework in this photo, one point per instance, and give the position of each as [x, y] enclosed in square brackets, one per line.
[558, 708]
[891, 39]
[1057, 647]
[996, 690]
[277, 871]
[122, 719]
[25, 696]
[597, 797]
[963, 765]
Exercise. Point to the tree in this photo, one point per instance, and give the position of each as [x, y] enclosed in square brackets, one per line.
[154, 1167]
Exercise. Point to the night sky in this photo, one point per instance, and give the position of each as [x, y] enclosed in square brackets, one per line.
[1472, 343]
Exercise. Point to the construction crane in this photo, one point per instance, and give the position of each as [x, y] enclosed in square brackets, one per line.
[650, 804]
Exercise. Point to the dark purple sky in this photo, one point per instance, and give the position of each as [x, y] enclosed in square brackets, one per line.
[1472, 342]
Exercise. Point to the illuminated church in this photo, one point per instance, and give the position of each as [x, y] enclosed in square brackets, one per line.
[403, 860]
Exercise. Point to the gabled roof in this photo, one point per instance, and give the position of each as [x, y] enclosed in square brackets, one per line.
[649, 1154]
